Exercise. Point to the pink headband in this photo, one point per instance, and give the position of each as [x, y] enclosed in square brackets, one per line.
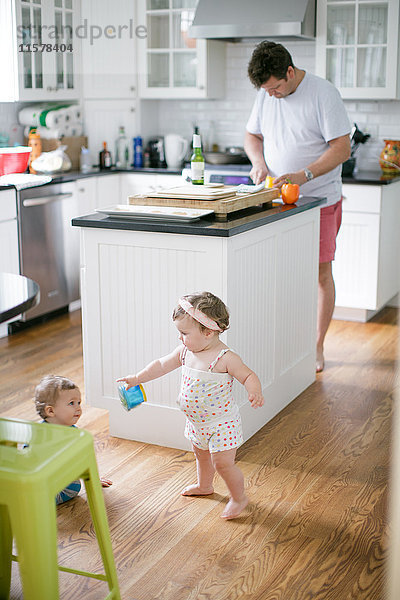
[198, 315]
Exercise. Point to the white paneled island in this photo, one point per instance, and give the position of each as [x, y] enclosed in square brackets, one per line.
[262, 263]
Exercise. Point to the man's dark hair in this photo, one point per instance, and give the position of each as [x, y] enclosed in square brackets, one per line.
[268, 60]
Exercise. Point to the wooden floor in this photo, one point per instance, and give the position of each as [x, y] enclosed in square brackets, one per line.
[317, 476]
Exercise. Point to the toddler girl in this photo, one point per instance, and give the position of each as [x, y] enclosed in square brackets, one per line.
[58, 401]
[213, 423]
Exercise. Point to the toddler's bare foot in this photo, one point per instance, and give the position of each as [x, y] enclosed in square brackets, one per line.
[196, 490]
[320, 361]
[234, 508]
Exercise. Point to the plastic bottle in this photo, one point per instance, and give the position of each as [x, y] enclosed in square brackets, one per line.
[138, 152]
[105, 158]
[35, 143]
[122, 150]
[85, 162]
[197, 161]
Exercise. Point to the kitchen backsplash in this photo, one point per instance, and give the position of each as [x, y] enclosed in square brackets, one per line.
[223, 121]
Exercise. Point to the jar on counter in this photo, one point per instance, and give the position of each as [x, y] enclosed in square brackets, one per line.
[390, 157]
[35, 143]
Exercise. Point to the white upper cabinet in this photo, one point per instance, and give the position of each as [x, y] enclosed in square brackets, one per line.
[357, 47]
[172, 65]
[109, 54]
[40, 50]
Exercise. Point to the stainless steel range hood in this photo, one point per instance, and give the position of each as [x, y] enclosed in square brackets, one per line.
[238, 20]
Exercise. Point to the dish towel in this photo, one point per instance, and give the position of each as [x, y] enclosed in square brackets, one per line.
[24, 180]
[250, 189]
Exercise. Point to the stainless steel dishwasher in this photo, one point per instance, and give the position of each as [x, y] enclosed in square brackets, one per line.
[49, 245]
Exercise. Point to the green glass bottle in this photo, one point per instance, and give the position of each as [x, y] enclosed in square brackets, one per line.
[197, 161]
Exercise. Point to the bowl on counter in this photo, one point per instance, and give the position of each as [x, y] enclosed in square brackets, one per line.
[14, 160]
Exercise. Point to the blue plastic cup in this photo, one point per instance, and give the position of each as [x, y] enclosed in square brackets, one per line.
[132, 397]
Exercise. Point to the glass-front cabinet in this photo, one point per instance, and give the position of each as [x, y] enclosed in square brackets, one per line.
[171, 64]
[357, 47]
[45, 48]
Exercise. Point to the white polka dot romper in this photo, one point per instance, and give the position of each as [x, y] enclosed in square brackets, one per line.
[212, 417]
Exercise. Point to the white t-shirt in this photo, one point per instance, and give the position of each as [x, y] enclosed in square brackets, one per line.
[297, 129]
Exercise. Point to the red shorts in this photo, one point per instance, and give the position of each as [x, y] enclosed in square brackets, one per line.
[331, 218]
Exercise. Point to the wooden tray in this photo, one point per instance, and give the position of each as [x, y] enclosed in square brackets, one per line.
[222, 207]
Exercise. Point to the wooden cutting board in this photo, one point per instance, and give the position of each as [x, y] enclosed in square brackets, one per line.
[196, 192]
[221, 206]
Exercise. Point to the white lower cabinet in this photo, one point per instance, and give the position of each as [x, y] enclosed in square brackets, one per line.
[108, 190]
[86, 190]
[366, 266]
[114, 188]
[9, 253]
[140, 183]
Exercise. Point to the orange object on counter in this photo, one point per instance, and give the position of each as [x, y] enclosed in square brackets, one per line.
[290, 192]
[269, 181]
[35, 143]
[390, 157]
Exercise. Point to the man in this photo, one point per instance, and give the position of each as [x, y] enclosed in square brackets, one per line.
[299, 130]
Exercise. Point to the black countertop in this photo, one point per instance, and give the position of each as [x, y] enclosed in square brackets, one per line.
[371, 178]
[237, 222]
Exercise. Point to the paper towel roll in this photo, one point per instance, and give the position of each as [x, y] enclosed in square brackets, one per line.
[55, 118]
[30, 115]
[76, 113]
[76, 129]
[49, 134]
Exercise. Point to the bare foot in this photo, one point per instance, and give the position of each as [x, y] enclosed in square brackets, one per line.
[196, 490]
[233, 508]
[320, 363]
[105, 482]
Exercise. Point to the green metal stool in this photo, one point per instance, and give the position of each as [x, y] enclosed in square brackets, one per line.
[36, 462]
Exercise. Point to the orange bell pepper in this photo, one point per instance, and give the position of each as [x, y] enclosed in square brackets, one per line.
[290, 192]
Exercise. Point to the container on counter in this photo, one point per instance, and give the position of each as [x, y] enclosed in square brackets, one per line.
[197, 161]
[105, 158]
[122, 150]
[138, 152]
[35, 143]
[389, 159]
[84, 162]
[14, 160]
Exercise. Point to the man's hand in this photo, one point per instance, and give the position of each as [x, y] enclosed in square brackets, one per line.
[299, 177]
[259, 172]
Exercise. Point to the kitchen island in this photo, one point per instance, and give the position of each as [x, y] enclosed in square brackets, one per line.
[262, 262]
